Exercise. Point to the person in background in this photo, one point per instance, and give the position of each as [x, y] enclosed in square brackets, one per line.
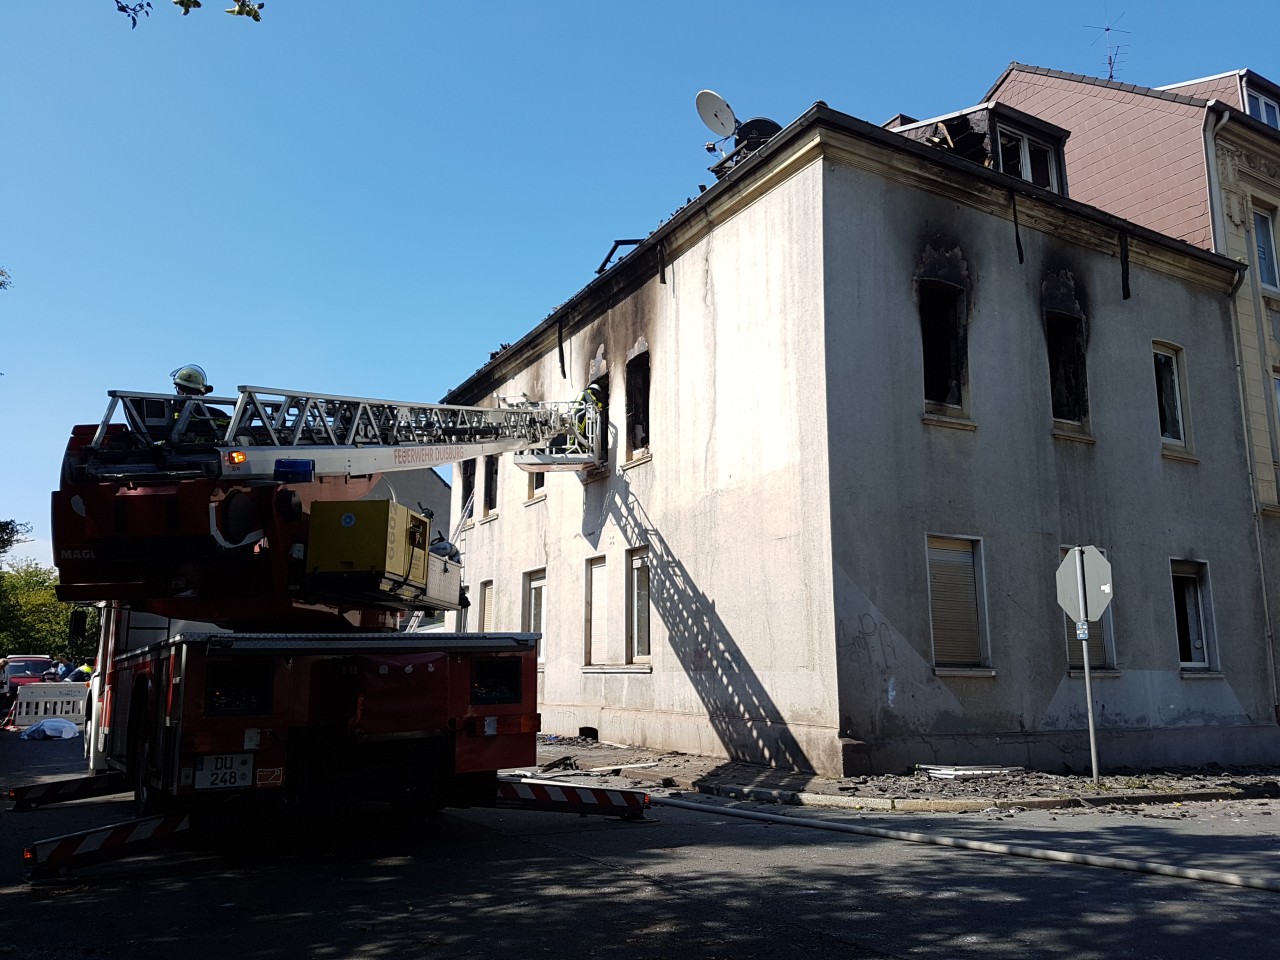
[81, 674]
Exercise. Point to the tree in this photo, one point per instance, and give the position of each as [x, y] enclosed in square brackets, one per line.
[12, 533]
[6, 281]
[238, 8]
[32, 619]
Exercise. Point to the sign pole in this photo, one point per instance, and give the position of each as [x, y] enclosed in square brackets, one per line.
[1082, 631]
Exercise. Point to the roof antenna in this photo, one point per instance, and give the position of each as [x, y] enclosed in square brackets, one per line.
[1114, 50]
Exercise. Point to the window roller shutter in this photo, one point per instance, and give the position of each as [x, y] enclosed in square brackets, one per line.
[599, 613]
[486, 606]
[953, 603]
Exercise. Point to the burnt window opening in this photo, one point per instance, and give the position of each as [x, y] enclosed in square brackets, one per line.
[490, 484]
[537, 483]
[1068, 379]
[942, 337]
[638, 405]
[468, 486]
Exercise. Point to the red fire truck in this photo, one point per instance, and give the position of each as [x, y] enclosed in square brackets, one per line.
[252, 575]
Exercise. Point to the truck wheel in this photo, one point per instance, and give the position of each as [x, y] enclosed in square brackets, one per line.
[147, 799]
[88, 729]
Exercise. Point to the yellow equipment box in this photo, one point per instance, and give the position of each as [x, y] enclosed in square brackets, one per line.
[368, 536]
[379, 549]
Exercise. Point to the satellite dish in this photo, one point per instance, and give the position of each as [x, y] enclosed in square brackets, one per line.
[755, 132]
[716, 114]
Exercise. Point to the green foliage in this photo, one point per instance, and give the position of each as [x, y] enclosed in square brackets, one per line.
[11, 534]
[33, 619]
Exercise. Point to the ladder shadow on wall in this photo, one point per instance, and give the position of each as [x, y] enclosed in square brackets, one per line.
[747, 722]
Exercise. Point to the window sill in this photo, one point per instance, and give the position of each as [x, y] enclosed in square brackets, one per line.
[540, 498]
[638, 460]
[1065, 431]
[1106, 673]
[1194, 673]
[951, 423]
[617, 668]
[974, 672]
[1179, 454]
[489, 519]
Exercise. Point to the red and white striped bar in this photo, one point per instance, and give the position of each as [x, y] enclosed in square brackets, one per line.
[105, 843]
[60, 791]
[552, 795]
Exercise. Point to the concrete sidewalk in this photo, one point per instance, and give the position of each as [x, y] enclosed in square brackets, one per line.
[576, 760]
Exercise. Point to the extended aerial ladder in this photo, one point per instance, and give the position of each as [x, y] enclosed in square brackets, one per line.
[341, 435]
[177, 501]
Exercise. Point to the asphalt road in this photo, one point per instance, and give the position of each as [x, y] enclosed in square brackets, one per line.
[491, 883]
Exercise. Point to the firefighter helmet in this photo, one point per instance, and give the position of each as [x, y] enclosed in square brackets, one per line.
[191, 379]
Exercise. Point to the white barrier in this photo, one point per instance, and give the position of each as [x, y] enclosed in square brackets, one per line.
[37, 701]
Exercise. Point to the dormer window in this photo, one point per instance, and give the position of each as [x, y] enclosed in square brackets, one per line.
[1030, 159]
[1264, 109]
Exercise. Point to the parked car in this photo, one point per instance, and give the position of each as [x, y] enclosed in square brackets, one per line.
[21, 670]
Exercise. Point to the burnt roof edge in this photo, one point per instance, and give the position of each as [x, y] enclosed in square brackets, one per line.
[642, 262]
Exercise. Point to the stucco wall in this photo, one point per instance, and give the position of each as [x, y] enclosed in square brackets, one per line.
[896, 478]
[732, 505]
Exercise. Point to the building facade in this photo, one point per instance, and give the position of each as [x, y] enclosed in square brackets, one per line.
[1198, 160]
[862, 396]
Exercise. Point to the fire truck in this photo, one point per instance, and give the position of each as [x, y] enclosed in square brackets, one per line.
[253, 572]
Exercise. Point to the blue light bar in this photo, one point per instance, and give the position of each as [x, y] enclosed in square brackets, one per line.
[295, 471]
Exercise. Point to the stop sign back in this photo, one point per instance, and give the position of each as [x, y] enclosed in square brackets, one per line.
[1095, 573]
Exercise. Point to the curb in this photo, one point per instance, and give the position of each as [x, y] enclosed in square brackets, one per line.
[905, 805]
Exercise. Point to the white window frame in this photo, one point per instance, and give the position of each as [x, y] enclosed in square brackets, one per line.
[534, 613]
[1275, 392]
[1262, 103]
[1264, 226]
[1026, 140]
[1107, 646]
[638, 560]
[983, 658]
[537, 485]
[487, 606]
[595, 631]
[1174, 353]
[1195, 574]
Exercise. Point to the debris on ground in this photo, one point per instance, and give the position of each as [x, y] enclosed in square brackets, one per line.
[964, 773]
[563, 763]
[1010, 785]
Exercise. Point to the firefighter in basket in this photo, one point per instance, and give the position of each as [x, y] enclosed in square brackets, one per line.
[592, 398]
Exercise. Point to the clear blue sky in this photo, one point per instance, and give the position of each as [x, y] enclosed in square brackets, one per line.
[367, 196]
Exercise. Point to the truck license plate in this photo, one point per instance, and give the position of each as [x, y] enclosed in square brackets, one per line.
[223, 770]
